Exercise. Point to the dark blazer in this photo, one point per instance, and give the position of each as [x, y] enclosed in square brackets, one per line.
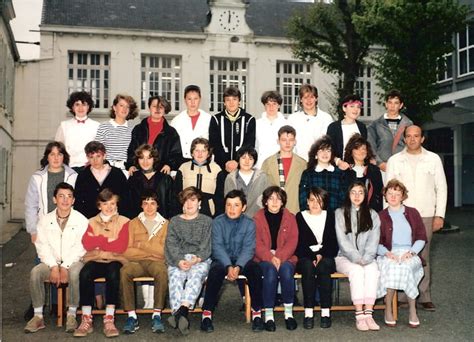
[167, 143]
[335, 132]
[159, 183]
[306, 238]
[374, 183]
[87, 189]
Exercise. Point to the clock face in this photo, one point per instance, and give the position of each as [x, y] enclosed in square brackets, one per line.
[229, 20]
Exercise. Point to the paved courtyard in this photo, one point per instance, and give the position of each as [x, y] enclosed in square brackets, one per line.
[453, 284]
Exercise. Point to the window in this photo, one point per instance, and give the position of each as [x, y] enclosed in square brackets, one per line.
[4, 175]
[466, 50]
[161, 75]
[290, 76]
[445, 67]
[89, 71]
[363, 88]
[225, 73]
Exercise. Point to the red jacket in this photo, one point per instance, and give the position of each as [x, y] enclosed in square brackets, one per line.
[287, 239]
[413, 217]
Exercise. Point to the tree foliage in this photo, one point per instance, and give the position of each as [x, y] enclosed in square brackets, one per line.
[325, 34]
[414, 35]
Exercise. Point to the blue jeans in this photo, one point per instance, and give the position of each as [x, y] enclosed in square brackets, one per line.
[271, 276]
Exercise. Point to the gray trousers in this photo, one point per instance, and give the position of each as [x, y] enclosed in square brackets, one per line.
[40, 273]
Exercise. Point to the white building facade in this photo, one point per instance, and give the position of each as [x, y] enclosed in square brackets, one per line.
[150, 47]
[8, 57]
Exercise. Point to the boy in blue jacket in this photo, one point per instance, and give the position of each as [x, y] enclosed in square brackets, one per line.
[233, 248]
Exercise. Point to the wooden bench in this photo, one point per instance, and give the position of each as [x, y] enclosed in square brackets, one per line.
[247, 304]
[60, 319]
[337, 307]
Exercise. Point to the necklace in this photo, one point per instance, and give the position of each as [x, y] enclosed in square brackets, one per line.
[62, 218]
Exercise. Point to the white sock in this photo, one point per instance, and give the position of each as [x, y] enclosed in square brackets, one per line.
[71, 311]
[156, 312]
[133, 314]
[256, 314]
[325, 312]
[151, 296]
[145, 296]
[38, 312]
[109, 310]
[288, 310]
[309, 312]
[269, 314]
[87, 310]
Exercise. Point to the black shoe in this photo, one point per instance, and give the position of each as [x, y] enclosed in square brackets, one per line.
[308, 322]
[29, 313]
[325, 322]
[270, 325]
[291, 323]
[257, 324]
[206, 325]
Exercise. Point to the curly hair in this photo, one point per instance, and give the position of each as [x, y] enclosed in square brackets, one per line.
[395, 184]
[81, 96]
[132, 106]
[355, 142]
[322, 143]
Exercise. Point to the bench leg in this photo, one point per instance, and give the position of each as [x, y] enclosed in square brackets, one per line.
[395, 306]
[60, 307]
[248, 302]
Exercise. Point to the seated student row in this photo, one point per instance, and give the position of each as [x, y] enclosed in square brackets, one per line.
[239, 246]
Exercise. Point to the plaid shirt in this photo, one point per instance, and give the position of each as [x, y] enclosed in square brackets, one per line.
[333, 182]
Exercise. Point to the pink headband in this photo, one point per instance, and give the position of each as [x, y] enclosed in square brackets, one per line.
[352, 102]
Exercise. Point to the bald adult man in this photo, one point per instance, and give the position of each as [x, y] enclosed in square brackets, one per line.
[422, 173]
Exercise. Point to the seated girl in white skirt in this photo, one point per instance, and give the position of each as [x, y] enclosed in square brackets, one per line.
[402, 237]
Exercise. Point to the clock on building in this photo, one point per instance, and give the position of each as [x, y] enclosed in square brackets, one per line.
[229, 20]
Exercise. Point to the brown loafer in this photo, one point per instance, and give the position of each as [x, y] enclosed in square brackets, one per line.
[428, 306]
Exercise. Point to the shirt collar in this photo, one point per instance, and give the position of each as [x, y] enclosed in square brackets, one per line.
[115, 124]
[385, 116]
[330, 168]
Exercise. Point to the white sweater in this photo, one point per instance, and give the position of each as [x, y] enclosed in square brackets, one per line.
[182, 124]
[75, 137]
[266, 141]
[308, 129]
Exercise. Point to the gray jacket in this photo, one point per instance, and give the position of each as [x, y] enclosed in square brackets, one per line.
[362, 249]
[381, 137]
[253, 191]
